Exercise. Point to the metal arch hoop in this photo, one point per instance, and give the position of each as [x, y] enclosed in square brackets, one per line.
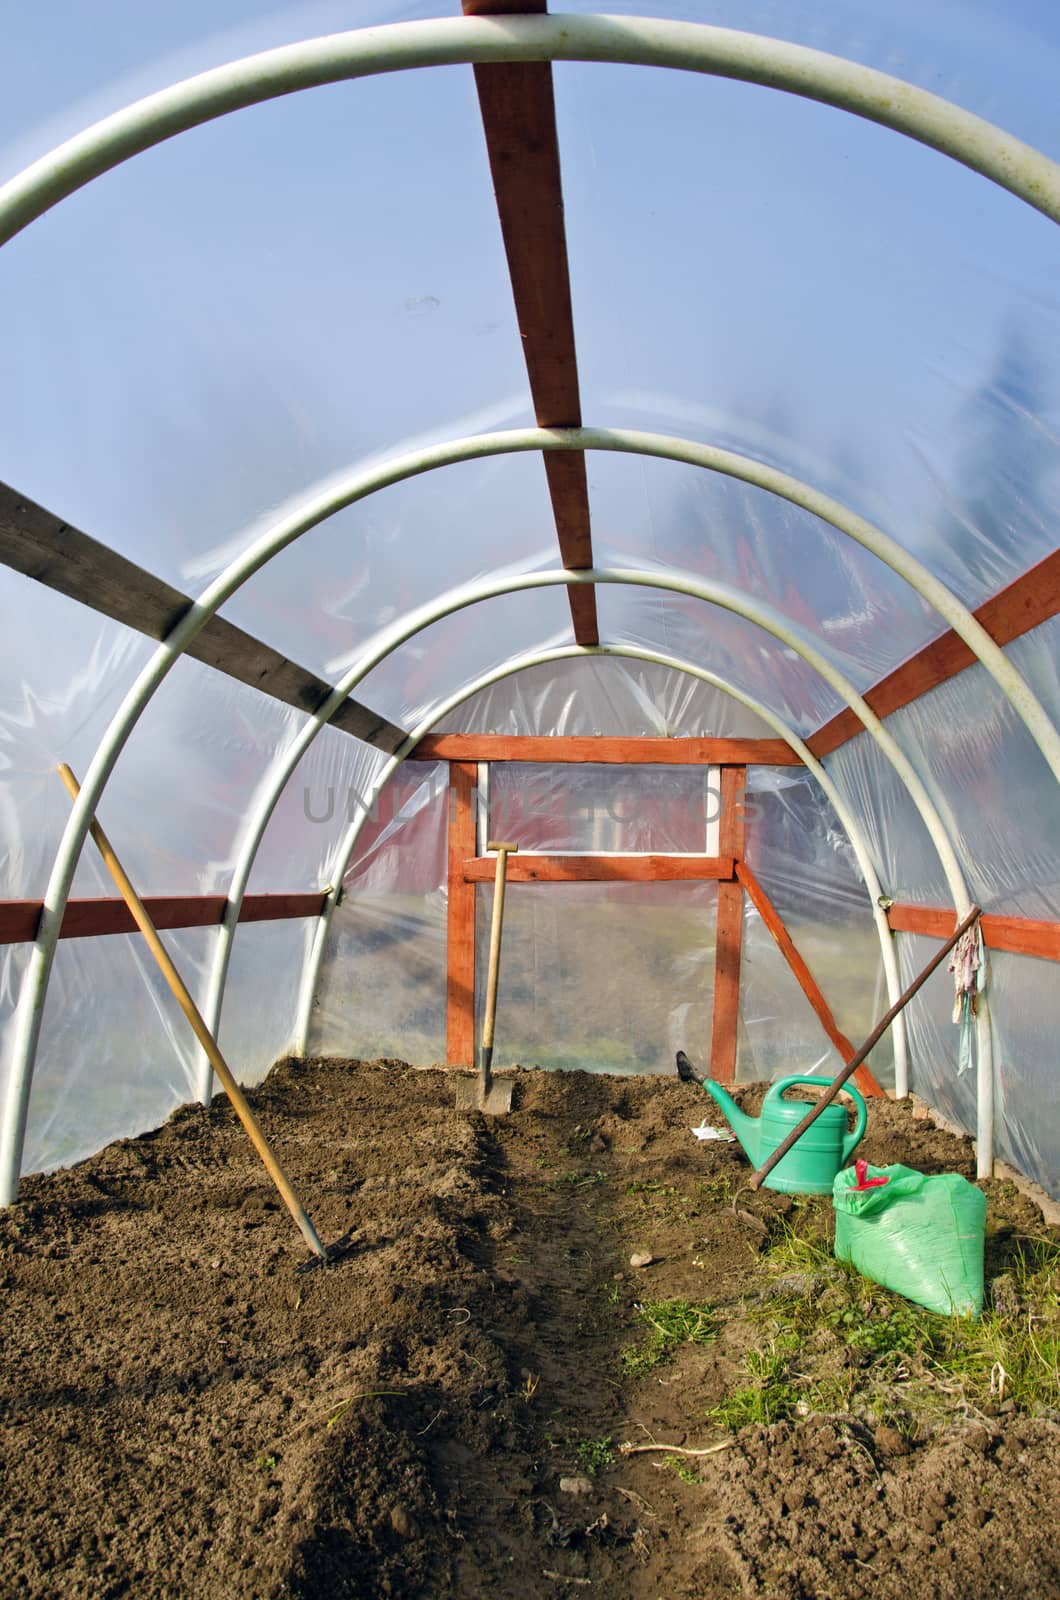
[634, 41]
[300, 519]
[631, 652]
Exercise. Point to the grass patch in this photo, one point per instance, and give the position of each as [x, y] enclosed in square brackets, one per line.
[671, 1323]
[835, 1341]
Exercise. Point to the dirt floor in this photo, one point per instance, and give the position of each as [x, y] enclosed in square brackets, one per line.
[441, 1413]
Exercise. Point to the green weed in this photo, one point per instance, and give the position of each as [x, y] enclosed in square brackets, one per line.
[672, 1323]
[595, 1454]
[718, 1191]
[771, 1396]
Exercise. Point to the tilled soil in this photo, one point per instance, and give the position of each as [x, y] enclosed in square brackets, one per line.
[439, 1412]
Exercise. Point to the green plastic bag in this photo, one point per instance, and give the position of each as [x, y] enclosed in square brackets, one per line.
[920, 1236]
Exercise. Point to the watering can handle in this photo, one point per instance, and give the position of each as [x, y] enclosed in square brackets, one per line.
[852, 1140]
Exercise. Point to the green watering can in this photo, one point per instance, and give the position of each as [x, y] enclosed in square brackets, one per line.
[825, 1148]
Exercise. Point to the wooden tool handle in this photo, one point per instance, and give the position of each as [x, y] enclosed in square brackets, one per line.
[496, 925]
[201, 1031]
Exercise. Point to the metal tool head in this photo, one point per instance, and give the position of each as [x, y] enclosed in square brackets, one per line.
[494, 1101]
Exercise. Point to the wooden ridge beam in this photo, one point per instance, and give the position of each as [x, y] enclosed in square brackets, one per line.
[605, 750]
[1022, 936]
[42, 546]
[602, 869]
[84, 919]
[807, 983]
[519, 121]
[1026, 603]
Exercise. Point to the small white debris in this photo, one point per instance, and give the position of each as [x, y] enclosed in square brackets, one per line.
[641, 1258]
[704, 1131]
[576, 1485]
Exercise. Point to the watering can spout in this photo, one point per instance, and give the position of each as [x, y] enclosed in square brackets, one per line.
[747, 1129]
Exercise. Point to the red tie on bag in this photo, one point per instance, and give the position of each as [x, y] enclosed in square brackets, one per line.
[861, 1169]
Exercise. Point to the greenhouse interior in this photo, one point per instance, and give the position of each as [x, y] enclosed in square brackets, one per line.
[542, 533]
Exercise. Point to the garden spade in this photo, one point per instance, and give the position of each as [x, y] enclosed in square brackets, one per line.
[485, 1092]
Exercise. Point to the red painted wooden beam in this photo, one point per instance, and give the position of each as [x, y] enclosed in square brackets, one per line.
[1021, 936]
[728, 939]
[602, 869]
[608, 751]
[1023, 605]
[85, 919]
[519, 120]
[460, 923]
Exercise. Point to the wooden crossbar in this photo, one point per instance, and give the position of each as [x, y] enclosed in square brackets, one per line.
[640, 750]
[1022, 936]
[86, 919]
[603, 869]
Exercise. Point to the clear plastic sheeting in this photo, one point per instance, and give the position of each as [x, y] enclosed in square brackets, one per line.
[232, 335]
[1025, 1017]
[895, 836]
[830, 297]
[778, 1031]
[14, 959]
[1025, 1007]
[999, 60]
[116, 1054]
[934, 1039]
[458, 649]
[382, 984]
[1005, 69]
[596, 695]
[719, 529]
[990, 782]
[601, 977]
[584, 808]
[326, 595]
[64, 672]
[328, 790]
[174, 806]
[403, 843]
[710, 636]
[993, 790]
[261, 995]
[804, 861]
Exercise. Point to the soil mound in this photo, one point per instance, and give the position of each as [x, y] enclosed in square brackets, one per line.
[442, 1412]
